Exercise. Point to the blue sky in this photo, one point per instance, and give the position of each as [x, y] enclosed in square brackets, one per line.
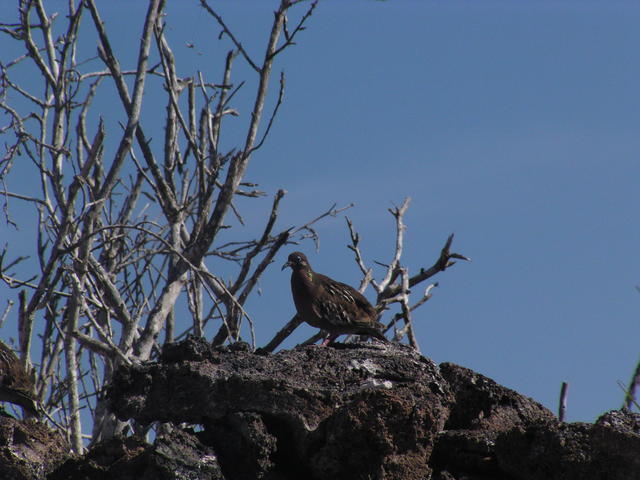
[513, 124]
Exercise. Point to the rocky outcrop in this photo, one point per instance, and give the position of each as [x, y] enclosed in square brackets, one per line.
[493, 432]
[483, 410]
[607, 450]
[357, 411]
[29, 450]
[349, 411]
[366, 411]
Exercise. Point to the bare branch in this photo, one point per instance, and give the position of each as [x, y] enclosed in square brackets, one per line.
[406, 312]
[227, 31]
[282, 334]
[391, 291]
[273, 114]
[289, 36]
[444, 261]
[355, 241]
[562, 406]
[427, 295]
[633, 401]
[392, 269]
[7, 309]
[630, 394]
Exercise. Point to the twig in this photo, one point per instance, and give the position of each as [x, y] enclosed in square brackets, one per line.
[633, 401]
[355, 247]
[389, 289]
[246, 264]
[630, 394]
[314, 338]
[282, 334]
[399, 315]
[273, 114]
[406, 312]
[392, 270]
[289, 37]
[562, 407]
[230, 34]
[332, 212]
[444, 261]
[7, 309]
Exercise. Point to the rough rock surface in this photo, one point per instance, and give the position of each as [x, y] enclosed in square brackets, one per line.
[608, 450]
[177, 454]
[349, 411]
[359, 411]
[29, 450]
[482, 404]
[482, 411]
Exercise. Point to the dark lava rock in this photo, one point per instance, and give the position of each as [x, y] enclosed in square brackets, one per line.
[177, 454]
[606, 450]
[349, 411]
[481, 403]
[482, 410]
[29, 450]
[356, 411]
[468, 453]
[244, 444]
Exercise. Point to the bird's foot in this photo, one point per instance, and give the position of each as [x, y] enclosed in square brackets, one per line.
[328, 340]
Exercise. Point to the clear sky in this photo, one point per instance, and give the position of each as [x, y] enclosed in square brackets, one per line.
[514, 124]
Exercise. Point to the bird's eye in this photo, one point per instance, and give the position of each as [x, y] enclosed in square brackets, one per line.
[298, 259]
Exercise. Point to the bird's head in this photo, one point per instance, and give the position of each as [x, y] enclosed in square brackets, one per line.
[296, 261]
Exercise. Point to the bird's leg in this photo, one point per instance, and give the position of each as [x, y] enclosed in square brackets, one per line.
[329, 339]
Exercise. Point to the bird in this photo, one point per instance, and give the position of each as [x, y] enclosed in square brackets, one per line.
[15, 384]
[328, 304]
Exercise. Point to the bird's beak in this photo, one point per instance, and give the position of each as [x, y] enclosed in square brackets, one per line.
[287, 264]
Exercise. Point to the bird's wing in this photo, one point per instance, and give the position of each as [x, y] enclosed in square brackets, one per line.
[340, 304]
[362, 310]
[331, 312]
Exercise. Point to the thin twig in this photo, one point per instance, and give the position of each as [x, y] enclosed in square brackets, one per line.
[7, 309]
[562, 406]
[282, 334]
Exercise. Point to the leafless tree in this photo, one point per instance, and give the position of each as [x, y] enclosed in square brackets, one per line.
[121, 233]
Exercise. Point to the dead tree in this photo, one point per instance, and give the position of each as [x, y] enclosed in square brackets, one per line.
[124, 221]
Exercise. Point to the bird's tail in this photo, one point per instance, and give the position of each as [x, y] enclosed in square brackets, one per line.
[376, 332]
